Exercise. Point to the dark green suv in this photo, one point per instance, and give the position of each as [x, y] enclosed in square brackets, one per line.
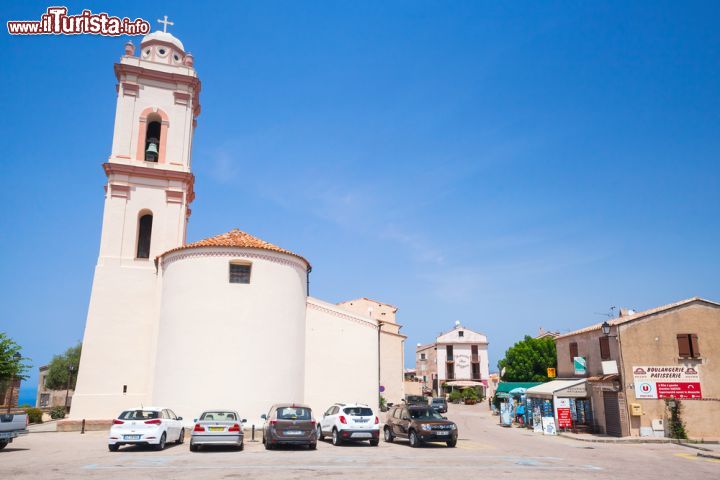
[419, 424]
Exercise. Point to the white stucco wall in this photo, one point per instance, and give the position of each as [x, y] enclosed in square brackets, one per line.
[341, 357]
[227, 345]
[119, 337]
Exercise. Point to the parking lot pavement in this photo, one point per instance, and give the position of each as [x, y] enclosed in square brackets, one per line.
[483, 446]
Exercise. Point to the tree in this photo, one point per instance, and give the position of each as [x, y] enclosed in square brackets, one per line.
[13, 365]
[528, 360]
[59, 371]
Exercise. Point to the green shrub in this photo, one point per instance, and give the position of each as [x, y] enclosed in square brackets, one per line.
[470, 394]
[676, 423]
[34, 415]
[57, 412]
[455, 396]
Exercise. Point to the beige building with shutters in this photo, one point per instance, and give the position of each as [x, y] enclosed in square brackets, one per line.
[646, 358]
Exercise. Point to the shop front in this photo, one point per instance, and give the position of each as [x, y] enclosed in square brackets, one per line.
[559, 405]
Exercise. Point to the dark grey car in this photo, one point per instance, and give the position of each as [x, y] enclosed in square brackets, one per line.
[289, 424]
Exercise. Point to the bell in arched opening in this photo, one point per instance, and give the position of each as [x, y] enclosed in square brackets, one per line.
[152, 144]
[151, 153]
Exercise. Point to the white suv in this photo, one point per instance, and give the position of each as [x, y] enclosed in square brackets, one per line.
[349, 422]
[146, 426]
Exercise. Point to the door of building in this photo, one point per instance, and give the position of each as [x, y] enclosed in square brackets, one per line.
[612, 414]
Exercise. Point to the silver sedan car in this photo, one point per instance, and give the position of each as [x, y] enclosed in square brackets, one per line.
[217, 427]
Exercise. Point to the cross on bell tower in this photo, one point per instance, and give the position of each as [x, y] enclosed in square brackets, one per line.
[165, 23]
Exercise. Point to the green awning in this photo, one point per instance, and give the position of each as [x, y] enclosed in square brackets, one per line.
[505, 387]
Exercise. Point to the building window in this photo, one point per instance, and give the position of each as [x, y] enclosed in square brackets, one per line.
[144, 234]
[573, 351]
[476, 371]
[451, 371]
[605, 348]
[240, 272]
[44, 399]
[461, 333]
[688, 345]
[449, 352]
[422, 356]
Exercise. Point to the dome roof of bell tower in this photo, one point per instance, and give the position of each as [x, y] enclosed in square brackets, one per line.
[164, 37]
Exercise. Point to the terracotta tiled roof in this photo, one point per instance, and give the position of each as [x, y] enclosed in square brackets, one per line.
[239, 239]
[638, 315]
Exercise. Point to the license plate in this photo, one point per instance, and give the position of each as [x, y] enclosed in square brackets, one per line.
[293, 432]
[131, 437]
[361, 435]
[443, 433]
[217, 429]
[361, 420]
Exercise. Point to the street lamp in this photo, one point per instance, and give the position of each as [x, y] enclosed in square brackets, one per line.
[17, 357]
[606, 328]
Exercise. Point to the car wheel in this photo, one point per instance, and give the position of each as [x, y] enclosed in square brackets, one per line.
[336, 440]
[452, 443]
[112, 448]
[242, 446]
[193, 447]
[374, 443]
[181, 438]
[320, 435]
[161, 443]
[267, 445]
[388, 435]
[414, 441]
[313, 446]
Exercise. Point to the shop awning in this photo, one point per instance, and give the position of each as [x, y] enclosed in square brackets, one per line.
[463, 383]
[505, 387]
[559, 388]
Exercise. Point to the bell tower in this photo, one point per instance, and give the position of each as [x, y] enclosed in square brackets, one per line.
[148, 194]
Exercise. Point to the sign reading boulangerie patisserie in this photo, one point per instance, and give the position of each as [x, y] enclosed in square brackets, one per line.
[674, 381]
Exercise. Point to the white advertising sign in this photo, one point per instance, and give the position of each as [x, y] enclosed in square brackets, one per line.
[673, 381]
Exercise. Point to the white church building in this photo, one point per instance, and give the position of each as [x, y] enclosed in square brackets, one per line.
[224, 322]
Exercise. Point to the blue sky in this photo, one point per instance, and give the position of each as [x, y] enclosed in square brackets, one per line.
[509, 165]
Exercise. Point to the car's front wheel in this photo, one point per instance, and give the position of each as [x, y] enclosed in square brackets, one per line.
[161, 443]
[336, 440]
[452, 443]
[414, 440]
[112, 448]
[320, 435]
[388, 435]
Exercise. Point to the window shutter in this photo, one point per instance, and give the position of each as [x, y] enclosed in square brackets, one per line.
[573, 350]
[694, 348]
[683, 345]
[605, 348]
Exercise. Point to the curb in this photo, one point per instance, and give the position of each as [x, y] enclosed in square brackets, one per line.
[621, 440]
[608, 440]
[709, 455]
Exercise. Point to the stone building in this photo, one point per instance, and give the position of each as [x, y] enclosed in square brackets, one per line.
[48, 398]
[636, 362]
[458, 357]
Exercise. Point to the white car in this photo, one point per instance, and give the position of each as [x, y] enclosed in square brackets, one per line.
[146, 426]
[349, 422]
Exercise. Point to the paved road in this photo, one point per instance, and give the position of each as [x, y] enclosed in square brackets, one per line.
[484, 449]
